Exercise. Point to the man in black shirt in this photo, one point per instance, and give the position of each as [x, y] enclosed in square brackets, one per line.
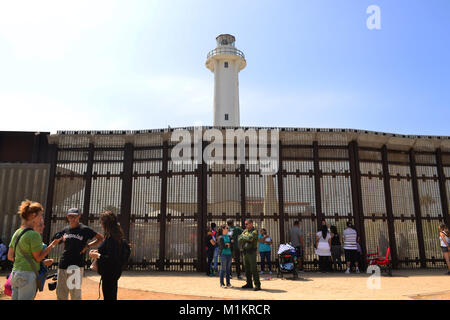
[70, 268]
[209, 246]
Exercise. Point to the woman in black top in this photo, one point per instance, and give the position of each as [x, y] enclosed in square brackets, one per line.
[108, 255]
[336, 249]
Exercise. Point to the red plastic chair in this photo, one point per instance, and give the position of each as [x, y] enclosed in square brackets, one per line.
[371, 256]
[383, 262]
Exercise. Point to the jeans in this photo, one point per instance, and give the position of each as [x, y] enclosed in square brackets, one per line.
[265, 255]
[237, 261]
[216, 257]
[23, 285]
[325, 263]
[109, 287]
[336, 252]
[209, 260]
[225, 267]
[66, 279]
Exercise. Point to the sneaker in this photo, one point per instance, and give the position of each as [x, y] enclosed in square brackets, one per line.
[357, 270]
[347, 271]
[247, 286]
[229, 285]
[223, 286]
[257, 289]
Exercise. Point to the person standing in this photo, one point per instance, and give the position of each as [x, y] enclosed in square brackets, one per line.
[26, 252]
[264, 243]
[323, 245]
[39, 228]
[108, 255]
[350, 237]
[216, 247]
[75, 238]
[444, 238]
[336, 248]
[3, 255]
[226, 256]
[249, 243]
[235, 232]
[210, 244]
[296, 238]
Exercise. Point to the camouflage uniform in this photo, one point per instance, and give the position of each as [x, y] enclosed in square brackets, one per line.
[236, 232]
[248, 241]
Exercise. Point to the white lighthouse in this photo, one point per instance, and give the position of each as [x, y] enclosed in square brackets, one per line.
[226, 61]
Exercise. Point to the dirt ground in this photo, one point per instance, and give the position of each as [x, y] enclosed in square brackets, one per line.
[91, 292]
[404, 285]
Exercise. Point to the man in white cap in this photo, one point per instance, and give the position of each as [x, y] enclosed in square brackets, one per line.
[71, 264]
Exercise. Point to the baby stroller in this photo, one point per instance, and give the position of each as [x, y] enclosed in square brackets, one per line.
[287, 260]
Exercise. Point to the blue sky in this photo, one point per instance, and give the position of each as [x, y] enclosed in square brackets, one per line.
[128, 65]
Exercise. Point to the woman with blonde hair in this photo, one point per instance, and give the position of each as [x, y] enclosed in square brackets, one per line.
[26, 251]
[444, 237]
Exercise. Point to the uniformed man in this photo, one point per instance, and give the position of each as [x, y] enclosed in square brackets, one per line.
[248, 241]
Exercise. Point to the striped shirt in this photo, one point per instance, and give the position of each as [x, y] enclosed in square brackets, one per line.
[350, 237]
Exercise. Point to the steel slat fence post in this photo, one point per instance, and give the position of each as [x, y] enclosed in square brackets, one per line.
[243, 194]
[442, 187]
[357, 203]
[53, 154]
[417, 208]
[318, 192]
[127, 189]
[162, 233]
[389, 211]
[87, 190]
[280, 192]
[201, 209]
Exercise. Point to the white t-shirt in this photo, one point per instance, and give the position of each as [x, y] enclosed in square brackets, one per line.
[323, 247]
[442, 241]
[350, 235]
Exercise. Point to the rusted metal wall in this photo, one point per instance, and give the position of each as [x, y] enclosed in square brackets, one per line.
[17, 183]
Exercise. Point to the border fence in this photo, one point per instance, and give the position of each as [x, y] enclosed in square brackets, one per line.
[394, 188]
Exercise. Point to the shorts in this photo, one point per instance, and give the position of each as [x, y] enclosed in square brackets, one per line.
[299, 252]
[445, 249]
[351, 255]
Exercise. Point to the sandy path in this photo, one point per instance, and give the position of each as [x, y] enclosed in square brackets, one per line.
[404, 285]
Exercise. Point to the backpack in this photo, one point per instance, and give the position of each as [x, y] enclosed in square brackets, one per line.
[235, 236]
[125, 253]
